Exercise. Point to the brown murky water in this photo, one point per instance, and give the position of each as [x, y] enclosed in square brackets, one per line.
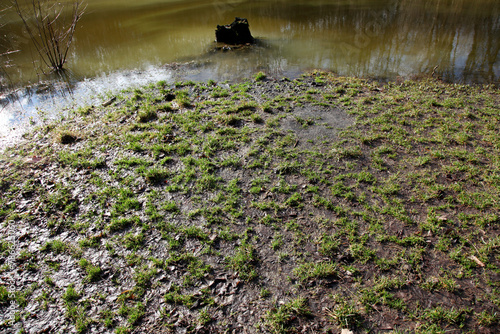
[381, 38]
[370, 38]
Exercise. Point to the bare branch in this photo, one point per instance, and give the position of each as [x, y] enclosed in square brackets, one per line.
[51, 36]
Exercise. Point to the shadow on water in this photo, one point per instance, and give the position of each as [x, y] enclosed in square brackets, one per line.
[122, 44]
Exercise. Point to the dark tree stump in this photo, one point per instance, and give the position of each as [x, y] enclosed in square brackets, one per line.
[235, 33]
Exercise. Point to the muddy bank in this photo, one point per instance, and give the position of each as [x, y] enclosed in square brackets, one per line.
[270, 205]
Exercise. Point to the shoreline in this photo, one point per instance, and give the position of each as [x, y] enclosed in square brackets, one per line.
[37, 103]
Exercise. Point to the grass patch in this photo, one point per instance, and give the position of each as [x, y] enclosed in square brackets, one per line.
[309, 271]
[202, 195]
[243, 261]
[281, 319]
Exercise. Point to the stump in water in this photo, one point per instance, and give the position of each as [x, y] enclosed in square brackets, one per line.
[235, 33]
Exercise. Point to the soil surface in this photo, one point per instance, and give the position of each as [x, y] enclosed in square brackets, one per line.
[316, 205]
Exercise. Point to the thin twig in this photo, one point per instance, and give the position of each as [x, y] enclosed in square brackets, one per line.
[51, 37]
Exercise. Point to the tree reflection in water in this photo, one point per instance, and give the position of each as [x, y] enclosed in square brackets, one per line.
[369, 38]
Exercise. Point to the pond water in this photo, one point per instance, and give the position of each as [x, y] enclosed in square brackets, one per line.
[119, 43]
